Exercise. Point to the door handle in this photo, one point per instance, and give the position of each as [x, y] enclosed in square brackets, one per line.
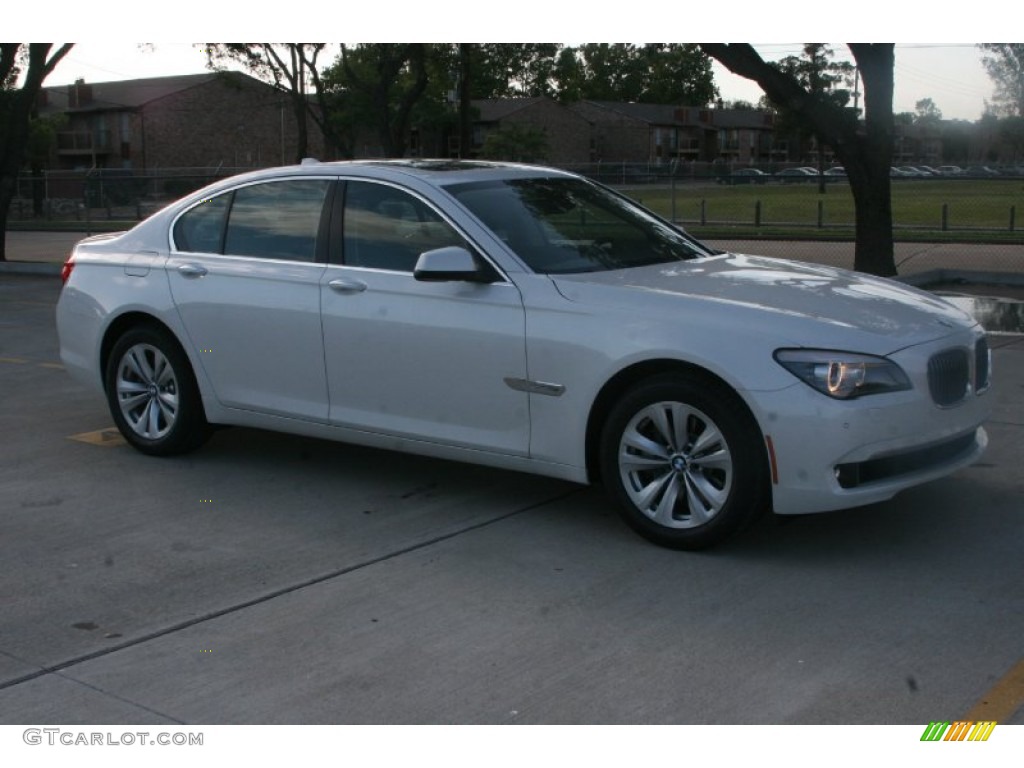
[191, 270]
[347, 286]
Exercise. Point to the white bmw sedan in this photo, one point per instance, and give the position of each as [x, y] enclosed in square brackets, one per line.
[528, 319]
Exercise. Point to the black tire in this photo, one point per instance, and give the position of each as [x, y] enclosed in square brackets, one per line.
[152, 393]
[685, 461]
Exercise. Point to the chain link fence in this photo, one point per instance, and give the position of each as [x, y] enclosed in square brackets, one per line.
[106, 195]
[718, 202]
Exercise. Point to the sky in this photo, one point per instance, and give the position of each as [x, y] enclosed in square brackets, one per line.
[948, 72]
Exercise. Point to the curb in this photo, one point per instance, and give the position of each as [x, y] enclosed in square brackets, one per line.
[29, 268]
[970, 277]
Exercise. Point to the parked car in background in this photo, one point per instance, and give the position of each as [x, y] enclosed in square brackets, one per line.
[950, 170]
[528, 319]
[791, 175]
[747, 176]
[836, 173]
[980, 171]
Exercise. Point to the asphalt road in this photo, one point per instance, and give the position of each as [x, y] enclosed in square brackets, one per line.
[277, 579]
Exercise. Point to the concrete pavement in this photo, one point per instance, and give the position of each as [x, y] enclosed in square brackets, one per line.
[276, 579]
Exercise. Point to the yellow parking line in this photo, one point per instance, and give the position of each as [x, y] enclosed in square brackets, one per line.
[23, 361]
[1003, 699]
[105, 437]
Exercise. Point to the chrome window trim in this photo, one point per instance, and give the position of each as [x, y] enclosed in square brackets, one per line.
[259, 259]
[172, 247]
[379, 271]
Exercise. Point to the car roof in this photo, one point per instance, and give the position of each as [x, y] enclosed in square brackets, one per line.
[437, 172]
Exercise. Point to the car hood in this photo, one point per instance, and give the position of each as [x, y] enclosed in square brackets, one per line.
[788, 299]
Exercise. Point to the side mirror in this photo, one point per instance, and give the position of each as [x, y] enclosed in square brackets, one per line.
[452, 263]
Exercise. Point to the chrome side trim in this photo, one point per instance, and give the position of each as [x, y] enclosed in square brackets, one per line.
[535, 387]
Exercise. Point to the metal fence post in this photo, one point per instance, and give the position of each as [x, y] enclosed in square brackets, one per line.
[945, 217]
[757, 213]
[821, 214]
[674, 199]
[703, 212]
[1013, 216]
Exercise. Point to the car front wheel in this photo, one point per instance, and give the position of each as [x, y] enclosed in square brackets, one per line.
[152, 393]
[685, 461]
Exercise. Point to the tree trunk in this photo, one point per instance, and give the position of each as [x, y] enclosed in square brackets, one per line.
[15, 118]
[870, 184]
[302, 132]
[874, 249]
[6, 197]
[865, 150]
[465, 104]
[416, 55]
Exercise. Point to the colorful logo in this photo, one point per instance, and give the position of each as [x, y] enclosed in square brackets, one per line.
[961, 730]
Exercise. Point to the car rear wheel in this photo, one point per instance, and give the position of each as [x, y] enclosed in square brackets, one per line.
[685, 461]
[152, 393]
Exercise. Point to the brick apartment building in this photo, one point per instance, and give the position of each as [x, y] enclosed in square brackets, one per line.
[662, 133]
[216, 119]
[567, 134]
[231, 120]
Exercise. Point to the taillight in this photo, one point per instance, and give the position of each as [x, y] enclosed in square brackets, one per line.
[65, 271]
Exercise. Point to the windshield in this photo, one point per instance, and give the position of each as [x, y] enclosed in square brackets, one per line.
[563, 225]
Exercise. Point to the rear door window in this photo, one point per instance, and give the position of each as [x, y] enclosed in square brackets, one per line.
[277, 220]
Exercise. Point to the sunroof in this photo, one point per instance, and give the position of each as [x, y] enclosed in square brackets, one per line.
[437, 165]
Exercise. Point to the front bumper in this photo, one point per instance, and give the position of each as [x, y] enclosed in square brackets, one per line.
[831, 454]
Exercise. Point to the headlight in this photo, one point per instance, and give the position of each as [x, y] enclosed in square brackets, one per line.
[843, 375]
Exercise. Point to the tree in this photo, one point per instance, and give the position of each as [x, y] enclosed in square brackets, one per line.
[1004, 63]
[653, 73]
[956, 141]
[42, 136]
[569, 76]
[381, 82]
[1011, 133]
[291, 67]
[36, 61]
[864, 148]
[823, 78]
[819, 74]
[521, 144]
[496, 71]
[512, 70]
[926, 113]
